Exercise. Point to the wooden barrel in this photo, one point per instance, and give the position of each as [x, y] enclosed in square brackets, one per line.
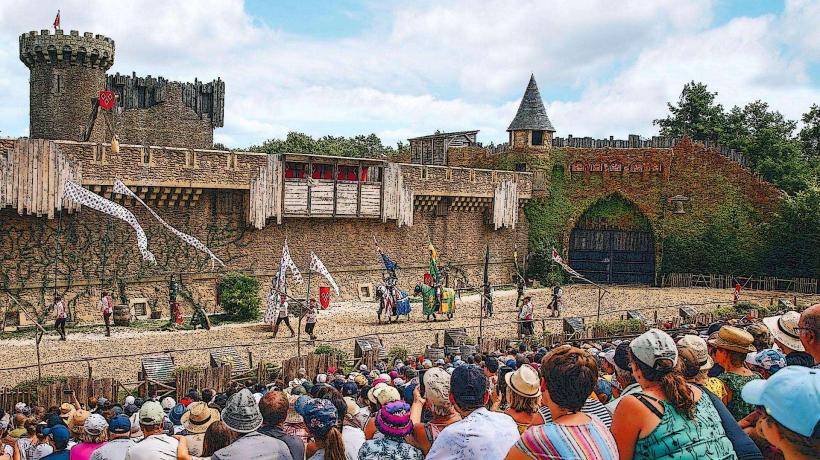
[122, 315]
[433, 353]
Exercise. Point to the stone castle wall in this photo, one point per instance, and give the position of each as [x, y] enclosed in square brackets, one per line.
[87, 251]
[67, 72]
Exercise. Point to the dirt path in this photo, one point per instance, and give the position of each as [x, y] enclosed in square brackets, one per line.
[339, 324]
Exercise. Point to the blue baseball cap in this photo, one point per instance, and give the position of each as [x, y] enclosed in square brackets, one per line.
[791, 396]
[119, 424]
[175, 416]
[468, 384]
[59, 433]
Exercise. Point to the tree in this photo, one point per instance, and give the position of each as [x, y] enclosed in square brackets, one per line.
[810, 134]
[795, 236]
[360, 146]
[696, 115]
[239, 295]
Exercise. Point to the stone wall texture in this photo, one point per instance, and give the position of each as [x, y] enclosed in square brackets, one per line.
[87, 252]
[169, 123]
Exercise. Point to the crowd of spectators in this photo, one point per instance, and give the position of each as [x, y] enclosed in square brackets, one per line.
[732, 391]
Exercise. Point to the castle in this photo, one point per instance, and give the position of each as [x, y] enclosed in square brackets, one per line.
[538, 190]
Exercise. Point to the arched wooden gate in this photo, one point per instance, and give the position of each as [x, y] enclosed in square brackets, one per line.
[613, 243]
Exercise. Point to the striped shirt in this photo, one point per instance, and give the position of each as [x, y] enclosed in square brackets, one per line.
[591, 407]
[571, 442]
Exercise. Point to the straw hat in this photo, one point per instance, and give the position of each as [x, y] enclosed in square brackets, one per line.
[524, 381]
[77, 420]
[784, 329]
[66, 410]
[733, 339]
[199, 417]
[698, 347]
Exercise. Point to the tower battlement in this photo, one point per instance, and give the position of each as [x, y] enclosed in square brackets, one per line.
[88, 49]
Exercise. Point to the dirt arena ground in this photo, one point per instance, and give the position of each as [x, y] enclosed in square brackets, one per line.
[338, 325]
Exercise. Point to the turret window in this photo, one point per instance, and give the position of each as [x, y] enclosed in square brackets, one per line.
[538, 138]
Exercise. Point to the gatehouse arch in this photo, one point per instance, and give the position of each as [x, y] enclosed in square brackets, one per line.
[612, 242]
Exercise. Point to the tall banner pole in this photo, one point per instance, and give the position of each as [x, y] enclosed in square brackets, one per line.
[485, 296]
[299, 324]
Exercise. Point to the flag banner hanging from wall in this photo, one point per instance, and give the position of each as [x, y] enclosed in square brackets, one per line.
[560, 261]
[90, 199]
[317, 266]
[121, 188]
[324, 297]
[285, 264]
[106, 99]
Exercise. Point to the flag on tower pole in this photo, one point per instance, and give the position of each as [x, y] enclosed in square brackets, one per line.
[57, 20]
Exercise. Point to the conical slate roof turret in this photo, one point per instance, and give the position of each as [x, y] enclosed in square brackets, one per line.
[531, 112]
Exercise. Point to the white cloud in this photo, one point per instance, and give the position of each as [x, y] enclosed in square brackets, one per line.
[435, 65]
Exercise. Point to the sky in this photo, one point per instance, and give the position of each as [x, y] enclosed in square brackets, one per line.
[405, 69]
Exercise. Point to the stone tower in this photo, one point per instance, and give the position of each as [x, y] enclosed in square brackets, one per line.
[531, 127]
[67, 73]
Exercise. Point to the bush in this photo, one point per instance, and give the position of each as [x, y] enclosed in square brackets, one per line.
[240, 296]
[325, 349]
[397, 352]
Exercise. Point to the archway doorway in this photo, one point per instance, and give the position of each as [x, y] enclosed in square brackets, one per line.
[612, 243]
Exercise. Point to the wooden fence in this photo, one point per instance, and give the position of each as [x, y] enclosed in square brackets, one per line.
[9, 397]
[312, 363]
[718, 281]
[216, 378]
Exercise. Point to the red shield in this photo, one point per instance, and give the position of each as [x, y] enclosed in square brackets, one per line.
[324, 297]
[107, 100]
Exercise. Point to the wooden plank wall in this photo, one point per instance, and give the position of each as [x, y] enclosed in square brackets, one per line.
[405, 203]
[296, 196]
[371, 200]
[321, 198]
[392, 172]
[505, 205]
[33, 175]
[266, 194]
[347, 194]
[216, 378]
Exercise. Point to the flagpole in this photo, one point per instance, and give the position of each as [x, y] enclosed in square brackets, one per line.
[301, 311]
[484, 297]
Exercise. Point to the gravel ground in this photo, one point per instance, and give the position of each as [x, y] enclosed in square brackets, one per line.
[339, 324]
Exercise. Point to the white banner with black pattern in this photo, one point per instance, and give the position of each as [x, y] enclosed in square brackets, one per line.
[121, 188]
[560, 261]
[285, 264]
[91, 200]
[317, 266]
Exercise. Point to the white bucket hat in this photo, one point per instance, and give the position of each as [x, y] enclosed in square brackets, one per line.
[784, 329]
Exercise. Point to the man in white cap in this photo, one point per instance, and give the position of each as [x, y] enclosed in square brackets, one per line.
[156, 445]
[785, 332]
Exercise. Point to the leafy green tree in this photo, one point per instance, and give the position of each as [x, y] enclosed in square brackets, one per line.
[239, 296]
[810, 134]
[360, 146]
[696, 115]
[795, 236]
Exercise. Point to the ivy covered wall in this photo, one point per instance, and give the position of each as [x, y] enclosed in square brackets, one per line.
[725, 226]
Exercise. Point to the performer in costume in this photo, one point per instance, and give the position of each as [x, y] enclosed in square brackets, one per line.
[59, 314]
[283, 317]
[311, 319]
[555, 303]
[738, 288]
[526, 316]
[106, 307]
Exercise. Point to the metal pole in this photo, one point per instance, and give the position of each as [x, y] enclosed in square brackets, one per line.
[484, 296]
[299, 325]
[598, 315]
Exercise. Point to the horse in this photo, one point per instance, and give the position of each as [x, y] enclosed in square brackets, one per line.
[431, 302]
[393, 301]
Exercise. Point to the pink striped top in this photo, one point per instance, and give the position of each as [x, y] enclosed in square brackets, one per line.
[570, 442]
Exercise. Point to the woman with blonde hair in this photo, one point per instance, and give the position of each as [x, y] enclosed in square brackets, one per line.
[523, 395]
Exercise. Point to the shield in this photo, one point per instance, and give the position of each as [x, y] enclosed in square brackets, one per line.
[324, 297]
[107, 100]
